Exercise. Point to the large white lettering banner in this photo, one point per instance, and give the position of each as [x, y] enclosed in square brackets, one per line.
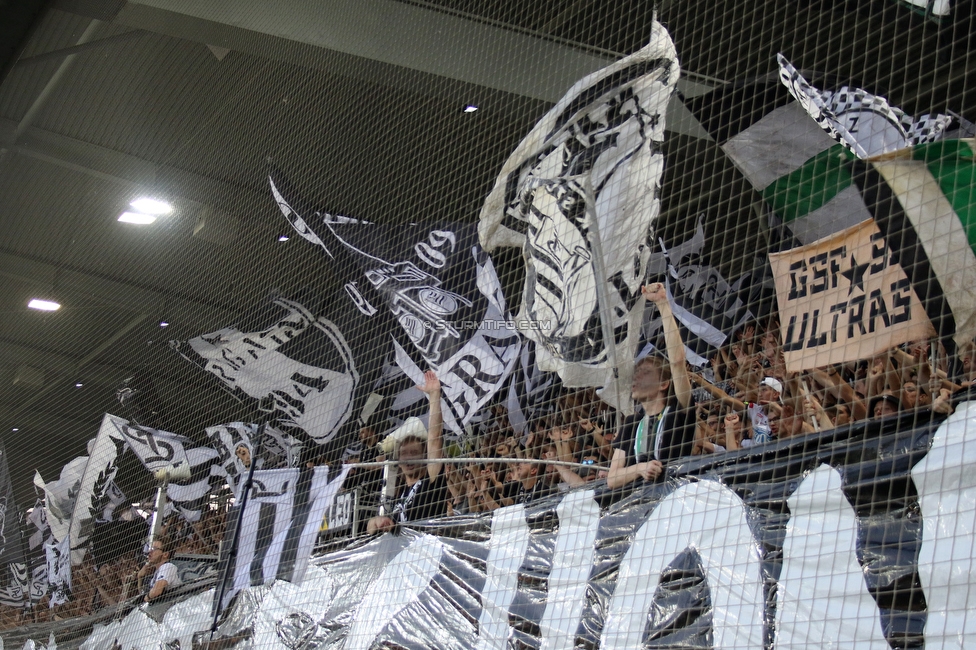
[866, 542]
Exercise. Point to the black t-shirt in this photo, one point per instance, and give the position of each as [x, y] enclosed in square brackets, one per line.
[677, 433]
[426, 500]
[540, 490]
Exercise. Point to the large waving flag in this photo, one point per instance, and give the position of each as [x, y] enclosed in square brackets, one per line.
[286, 354]
[794, 142]
[921, 209]
[919, 197]
[158, 450]
[924, 203]
[580, 195]
[95, 488]
[429, 290]
[864, 123]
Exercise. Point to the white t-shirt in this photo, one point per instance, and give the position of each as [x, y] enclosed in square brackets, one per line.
[168, 572]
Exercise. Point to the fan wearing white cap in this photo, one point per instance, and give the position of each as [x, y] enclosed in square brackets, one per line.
[421, 489]
[770, 391]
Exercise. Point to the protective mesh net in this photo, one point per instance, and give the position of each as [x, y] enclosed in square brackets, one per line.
[488, 324]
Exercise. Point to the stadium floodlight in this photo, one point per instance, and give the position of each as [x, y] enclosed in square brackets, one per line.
[147, 205]
[44, 305]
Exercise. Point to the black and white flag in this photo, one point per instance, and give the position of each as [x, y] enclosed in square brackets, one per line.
[59, 571]
[189, 467]
[288, 354]
[580, 196]
[281, 521]
[531, 391]
[13, 556]
[236, 443]
[95, 488]
[11, 541]
[864, 123]
[706, 307]
[60, 495]
[38, 534]
[155, 449]
[441, 290]
[38, 528]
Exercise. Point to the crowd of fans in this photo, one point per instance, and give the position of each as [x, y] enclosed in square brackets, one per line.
[744, 397]
[122, 566]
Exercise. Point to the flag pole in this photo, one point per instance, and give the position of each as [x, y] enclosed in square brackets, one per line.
[235, 537]
[603, 304]
[160, 507]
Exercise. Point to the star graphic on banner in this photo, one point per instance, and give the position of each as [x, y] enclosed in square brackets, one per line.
[856, 275]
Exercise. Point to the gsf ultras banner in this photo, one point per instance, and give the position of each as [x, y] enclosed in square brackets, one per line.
[859, 538]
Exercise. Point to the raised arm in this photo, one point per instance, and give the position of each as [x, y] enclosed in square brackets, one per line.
[435, 427]
[657, 294]
[570, 477]
[841, 390]
[717, 392]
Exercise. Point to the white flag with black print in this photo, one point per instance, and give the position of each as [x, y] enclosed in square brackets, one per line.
[864, 123]
[38, 534]
[38, 528]
[429, 289]
[298, 360]
[59, 570]
[188, 467]
[155, 449]
[282, 516]
[236, 443]
[580, 195]
[60, 495]
[95, 489]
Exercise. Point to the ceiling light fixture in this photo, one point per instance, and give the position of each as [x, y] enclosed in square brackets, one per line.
[470, 108]
[164, 323]
[44, 305]
[283, 238]
[15, 429]
[147, 205]
[136, 218]
[79, 385]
